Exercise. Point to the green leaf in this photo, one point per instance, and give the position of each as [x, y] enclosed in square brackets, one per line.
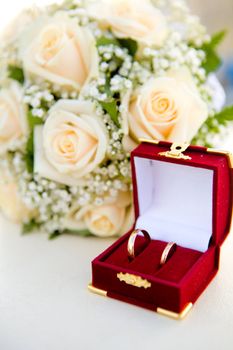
[33, 121]
[107, 89]
[30, 146]
[29, 156]
[130, 44]
[104, 41]
[29, 227]
[110, 107]
[216, 39]
[213, 61]
[81, 233]
[54, 235]
[226, 115]
[16, 73]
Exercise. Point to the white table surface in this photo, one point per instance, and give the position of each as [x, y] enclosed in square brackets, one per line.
[45, 305]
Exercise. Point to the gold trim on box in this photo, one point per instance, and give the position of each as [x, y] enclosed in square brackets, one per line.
[176, 151]
[160, 311]
[174, 315]
[98, 291]
[219, 151]
[155, 142]
[133, 280]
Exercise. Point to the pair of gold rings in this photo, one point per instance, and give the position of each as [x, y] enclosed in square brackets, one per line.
[166, 253]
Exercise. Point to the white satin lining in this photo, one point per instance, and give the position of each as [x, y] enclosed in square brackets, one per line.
[175, 202]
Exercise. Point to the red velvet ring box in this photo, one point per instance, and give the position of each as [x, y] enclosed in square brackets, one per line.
[182, 194]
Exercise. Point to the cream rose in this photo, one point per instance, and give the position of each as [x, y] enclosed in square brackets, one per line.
[167, 108]
[13, 120]
[135, 19]
[10, 202]
[112, 218]
[62, 52]
[72, 142]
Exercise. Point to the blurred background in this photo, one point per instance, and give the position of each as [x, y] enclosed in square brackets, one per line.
[218, 15]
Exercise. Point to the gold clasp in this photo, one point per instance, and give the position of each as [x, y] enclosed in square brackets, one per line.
[176, 151]
[133, 280]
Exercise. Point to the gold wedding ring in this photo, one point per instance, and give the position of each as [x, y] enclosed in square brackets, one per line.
[170, 247]
[132, 239]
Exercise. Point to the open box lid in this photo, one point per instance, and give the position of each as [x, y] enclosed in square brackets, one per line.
[182, 193]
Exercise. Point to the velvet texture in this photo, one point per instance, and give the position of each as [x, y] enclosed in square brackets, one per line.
[187, 272]
[148, 260]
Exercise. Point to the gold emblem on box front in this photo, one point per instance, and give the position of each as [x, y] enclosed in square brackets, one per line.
[133, 280]
[176, 151]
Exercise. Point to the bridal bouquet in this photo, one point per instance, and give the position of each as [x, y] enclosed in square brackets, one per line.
[81, 82]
